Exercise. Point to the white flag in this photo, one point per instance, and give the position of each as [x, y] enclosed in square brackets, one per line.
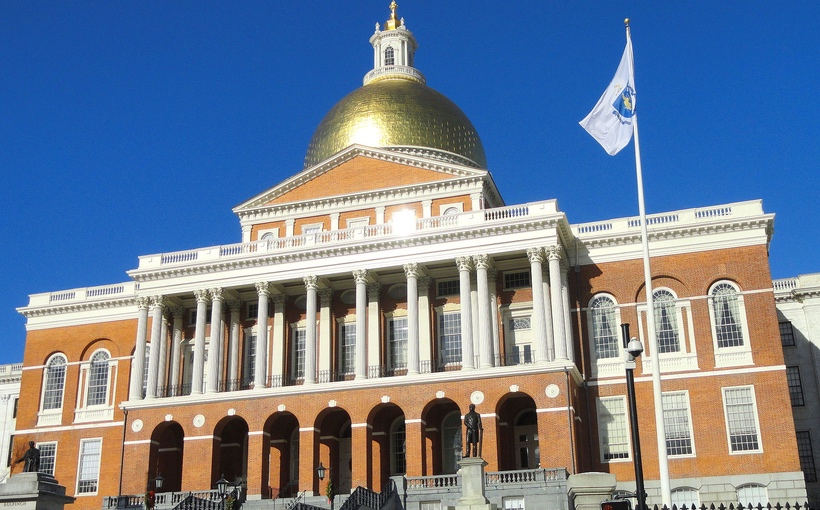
[610, 122]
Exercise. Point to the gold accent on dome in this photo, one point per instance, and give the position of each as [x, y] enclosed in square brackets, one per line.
[396, 113]
[393, 23]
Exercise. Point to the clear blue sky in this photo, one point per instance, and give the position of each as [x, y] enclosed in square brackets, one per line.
[133, 127]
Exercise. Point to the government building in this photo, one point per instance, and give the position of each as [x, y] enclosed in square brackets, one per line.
[378, 292]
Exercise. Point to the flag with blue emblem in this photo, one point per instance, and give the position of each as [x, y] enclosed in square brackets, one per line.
[610, 122]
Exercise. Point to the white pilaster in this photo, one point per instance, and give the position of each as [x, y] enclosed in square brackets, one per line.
[214, 368]
[570, 350]
[311, 285]
[277, 366]
[325, 343]
[138, 362]
[539, 325]
[485, 327]
[373, 325]
[411, 271]
[153, 353]
[465, 264]
[235, 307]
[425, 343]
[198, 370]
[163, 356]
[559, 336]
[492, 276]
[260, 369]
[176, 350]
[360, 277]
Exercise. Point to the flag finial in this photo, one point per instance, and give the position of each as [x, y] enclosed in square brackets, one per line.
[626, 21]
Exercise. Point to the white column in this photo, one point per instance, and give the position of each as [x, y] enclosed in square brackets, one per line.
[545, 277]
[560, 342]
[214, 370]
[198, 371]
[425, 344]
[492, 275]
[539, 325]
[163, 357]
[334, 221]
[325, 344]
[153, 352]
[311, 285]
[289, 224]
[360, 277]
[176, 351]
[411, 271]
[373, 327]
[235, 307]
[485, 327]
[277, 364]
[260, 374]
[138, 362]
[380, 214]
[570, 353]
[465, 264]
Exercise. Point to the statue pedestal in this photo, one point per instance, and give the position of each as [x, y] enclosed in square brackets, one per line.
[33, 491]
[472, 486]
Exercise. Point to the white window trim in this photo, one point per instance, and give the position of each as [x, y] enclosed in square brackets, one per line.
[687, 358]
[598, 404]
[101, 412]
[341, 323]
[757, 421]
[79, 467]
[605, 367]
[40, 444]
[730, 356]
[52, 416]
[442, 208]
[691, 426]
[517, 310]
[388, 317]
[448, 308]
[271, 233]
[306, 229]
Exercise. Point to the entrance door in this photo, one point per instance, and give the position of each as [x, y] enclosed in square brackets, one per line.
[527, 453]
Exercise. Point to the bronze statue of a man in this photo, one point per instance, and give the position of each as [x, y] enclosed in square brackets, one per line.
[31, 458]
[472, 422]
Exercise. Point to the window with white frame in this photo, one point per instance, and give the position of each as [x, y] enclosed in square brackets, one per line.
[448, 288]
[666, 322]
[48, 457]
[398, 448]
[313, 228]
[97, 386]
[54, 383]
[430, 505]
[389, 56]
[449, 337]
[795, 386]
[677, 423]
[88, 472]
[145, 369]
[347, 347]
[358, 222]
[804, 451]
[685, 498]
[519, 337]
[726, 315]
[299, 336]
[752, 494]
[517, 280]
[249, 357]
[397, 342]
[742, 424]
[604, 318]
[612, 428]
[513, 502]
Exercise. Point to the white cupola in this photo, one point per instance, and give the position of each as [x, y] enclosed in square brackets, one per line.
[393, 50]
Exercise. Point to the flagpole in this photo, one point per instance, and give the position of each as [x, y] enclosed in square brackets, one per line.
[663, 461]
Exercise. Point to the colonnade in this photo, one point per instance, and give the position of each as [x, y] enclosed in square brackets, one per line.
[551, 328]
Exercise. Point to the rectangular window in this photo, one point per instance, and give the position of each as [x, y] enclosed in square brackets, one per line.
[14, 413]
[513, 503]
[448, 288]
[397, 336]
[795, 386]
[676, 423]
[250, 355]
[430, 505]
[299, 336]
[741, 419]
[804, 450]
[89, 470]
[253, 311]
[612, 426]
[48, 455]
[786, 334]
[449, 331]
[517, 280]
[192, 317]
[347, 351]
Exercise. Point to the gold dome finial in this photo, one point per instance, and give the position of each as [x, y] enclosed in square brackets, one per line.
[393, 22]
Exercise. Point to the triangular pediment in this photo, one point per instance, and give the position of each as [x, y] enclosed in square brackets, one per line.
[359, 170]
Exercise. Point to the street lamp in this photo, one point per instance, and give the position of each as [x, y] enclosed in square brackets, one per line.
[158, 481]
[633, 351]
[331, 493]
[320, 471]
[222, 486]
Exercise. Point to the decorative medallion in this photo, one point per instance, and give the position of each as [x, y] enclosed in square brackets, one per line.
[199, 420]
[477, 397]
[552, 390]
[136, 425]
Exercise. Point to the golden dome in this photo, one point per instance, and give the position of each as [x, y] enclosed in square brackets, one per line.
[400, 114]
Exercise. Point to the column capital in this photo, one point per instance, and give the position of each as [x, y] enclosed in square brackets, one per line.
[564, 265]
[360, 276]
[278, 299]
[157, 302]
[202, 295]
[535, 254]
[412, 270]
[374, 287]
[311, 282]
[143, 303]
[424, 282]
[263, 288]
[553, 252]
[178, 311]
[217, 294]
[464, 263]
[234, 305]
[324, 296]
[482, 261]
[492, 274]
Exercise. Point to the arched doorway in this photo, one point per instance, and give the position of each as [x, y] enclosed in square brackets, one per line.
[518, 440]
[387, 444]
[443, 435]
[335, 448]
[166, 455]
[230, 450]
[283, 458]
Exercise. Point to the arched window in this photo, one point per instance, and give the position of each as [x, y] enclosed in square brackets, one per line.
[451, 442]
[398, 448]
[666, 322]
[726, 313]
[389, 56]
[752, 494]
[604, 324]
[54, 383]
[685, 498]
[97, 393]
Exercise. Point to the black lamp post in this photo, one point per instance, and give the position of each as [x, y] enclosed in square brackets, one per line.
[158, 481]
[222, 486]
[633, 351]
[320, 472]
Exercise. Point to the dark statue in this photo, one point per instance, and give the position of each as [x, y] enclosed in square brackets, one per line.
[31, 458]
[475, 432]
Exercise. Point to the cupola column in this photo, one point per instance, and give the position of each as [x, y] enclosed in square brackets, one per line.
[312, 286]
[138, 363]
[214, 346]
[260, 368]
[485, 327]
[560, 342]
[539, 325]
[360, 277]
[465, 264]
[412, 272]
[198, 372]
